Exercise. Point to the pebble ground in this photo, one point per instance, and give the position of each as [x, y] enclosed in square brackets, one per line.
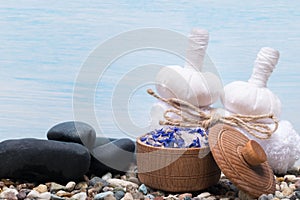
[128, 187]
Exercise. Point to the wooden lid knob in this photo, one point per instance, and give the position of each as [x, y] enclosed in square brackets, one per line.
[253, 153]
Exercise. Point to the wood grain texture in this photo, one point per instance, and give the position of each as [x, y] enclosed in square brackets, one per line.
[227, 151]
[176, 170]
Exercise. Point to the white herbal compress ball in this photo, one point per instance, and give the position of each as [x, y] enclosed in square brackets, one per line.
[254, 98]
[187, 83]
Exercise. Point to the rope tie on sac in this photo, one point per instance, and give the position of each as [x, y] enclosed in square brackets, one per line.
[188, 115]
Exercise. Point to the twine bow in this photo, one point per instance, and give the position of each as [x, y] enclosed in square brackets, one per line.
[189, 115]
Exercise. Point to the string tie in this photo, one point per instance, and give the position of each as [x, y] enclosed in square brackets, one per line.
[188, 115]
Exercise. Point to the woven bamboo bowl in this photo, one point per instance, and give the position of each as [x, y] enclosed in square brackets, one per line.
[176, 169]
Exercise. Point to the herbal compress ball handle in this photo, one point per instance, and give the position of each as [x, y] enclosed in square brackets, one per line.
[189, 83]
[198, 41]
[264, 65]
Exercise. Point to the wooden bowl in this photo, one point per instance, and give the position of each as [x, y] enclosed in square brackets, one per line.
[176, 169]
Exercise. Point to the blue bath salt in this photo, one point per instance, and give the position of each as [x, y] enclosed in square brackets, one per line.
[176, 137]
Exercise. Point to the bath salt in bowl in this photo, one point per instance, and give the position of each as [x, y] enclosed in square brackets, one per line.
[176, 159]
[176, 137]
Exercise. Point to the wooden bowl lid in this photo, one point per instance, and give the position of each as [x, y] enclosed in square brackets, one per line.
[243, 161]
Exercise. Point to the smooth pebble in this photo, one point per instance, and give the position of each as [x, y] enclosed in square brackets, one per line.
[279, 179]
[287, 191]
[119, 194]
[172, 197]
[138, 195]
[107, 176]
[118, 189]
[150, 196]
[127, 196]
[21, 195]
[118, 182]
[263, 197]
[292, 186]
[80, 196]
[121, 150]
[81, 185]
[143, 189]
[73, 131]
[283, 185]
[55, 197]
[45, 196]
[102, 195]
[297, 184]
[62, 193]
[106, 188]
[39, 160]
[70, 186]
[270, 196]
[41, 188]
[10, 194]
[279, 194]
[110, 197]
[297, 193]
[33, 194]
[204, 195]
[185, 196]
[55, 187]
[289, 178]
[130, 188]
[97, 180]
[134, 180]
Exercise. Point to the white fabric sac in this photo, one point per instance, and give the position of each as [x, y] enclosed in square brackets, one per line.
[197, 88]
[195, 53]
[245, 98]
[253, 97]
[189, 83]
